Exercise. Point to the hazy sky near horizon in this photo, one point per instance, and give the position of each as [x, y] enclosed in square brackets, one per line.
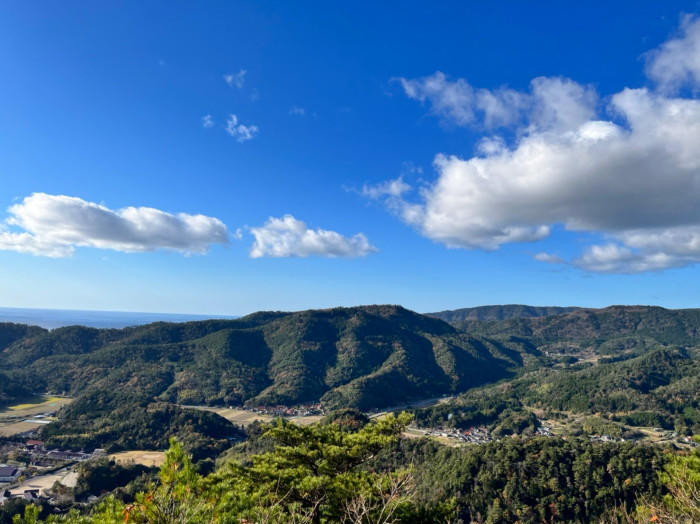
[228, 157]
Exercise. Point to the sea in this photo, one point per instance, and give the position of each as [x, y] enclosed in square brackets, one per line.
[55, 318]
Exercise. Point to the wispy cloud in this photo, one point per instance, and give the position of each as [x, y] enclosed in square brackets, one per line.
[235, 79]
[241, 132]
[289, 237]
[207, 121]
[553, 103]
[548, 258]
[54, 225]
[297, 111]
[628, 169]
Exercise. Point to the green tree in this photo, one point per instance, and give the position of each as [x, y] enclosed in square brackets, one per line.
[682, 502]
[315, 474]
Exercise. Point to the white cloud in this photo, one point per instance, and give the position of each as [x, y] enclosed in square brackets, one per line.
[297, 111]
[289, 237]
[548, 258]
[614, 258]
[629, 170]
[207, 121]
[554, 104]
[391, 194]
[451, 100]
[391, 188]
[676, 63]
[54, 225]
[240, 132]
[236, 80]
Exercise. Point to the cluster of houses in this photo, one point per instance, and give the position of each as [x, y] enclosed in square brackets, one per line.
[302, 410]
[689, 440]
[605, 438]
[544, 431]
[43, 460]
[475, 435]
[42, 457]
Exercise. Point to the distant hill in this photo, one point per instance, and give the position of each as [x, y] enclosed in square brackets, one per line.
[457, 316]
[605, 330]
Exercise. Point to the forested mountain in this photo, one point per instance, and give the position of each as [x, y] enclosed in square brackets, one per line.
[124, 380]
[619, 358]
[504, 312]
[364, 357]
[601, 327]
[370, 356]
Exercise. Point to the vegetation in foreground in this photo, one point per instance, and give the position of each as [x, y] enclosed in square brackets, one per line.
[361, 472]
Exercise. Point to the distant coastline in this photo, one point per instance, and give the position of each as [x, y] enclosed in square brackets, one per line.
[55, 318]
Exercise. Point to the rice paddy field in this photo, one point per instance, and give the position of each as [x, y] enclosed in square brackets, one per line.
[145, 458]
[30, 415]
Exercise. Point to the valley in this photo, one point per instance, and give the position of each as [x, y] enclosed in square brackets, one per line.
[625, 377]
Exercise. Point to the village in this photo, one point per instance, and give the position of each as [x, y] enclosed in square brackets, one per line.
[41, 469]
[301, 410]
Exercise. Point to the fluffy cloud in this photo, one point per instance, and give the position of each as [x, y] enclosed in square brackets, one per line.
[242, 133]
[628, 169]
[289, 237]
[53, 225]
[236, 80]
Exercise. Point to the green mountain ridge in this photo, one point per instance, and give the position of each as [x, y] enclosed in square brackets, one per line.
[362, 357]
[499, 312]
[605, 331]
[368, 356]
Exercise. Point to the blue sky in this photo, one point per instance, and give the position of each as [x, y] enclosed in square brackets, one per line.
[435, 156]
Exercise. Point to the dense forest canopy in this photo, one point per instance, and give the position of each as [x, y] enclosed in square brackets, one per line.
[331, 473]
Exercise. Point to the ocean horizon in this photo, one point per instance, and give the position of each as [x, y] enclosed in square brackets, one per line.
[55, 318]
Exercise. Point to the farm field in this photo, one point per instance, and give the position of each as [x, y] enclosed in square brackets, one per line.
[16, 419]
[145, 458]
[36, 406]
[15, 428]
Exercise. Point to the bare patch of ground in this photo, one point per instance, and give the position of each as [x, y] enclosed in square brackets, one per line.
[245, 418]
[45, 482]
